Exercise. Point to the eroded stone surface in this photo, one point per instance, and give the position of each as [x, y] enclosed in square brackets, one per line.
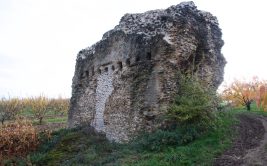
[123, 83]
[103, 91]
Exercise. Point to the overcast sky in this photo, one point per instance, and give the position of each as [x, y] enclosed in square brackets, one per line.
[39, 39]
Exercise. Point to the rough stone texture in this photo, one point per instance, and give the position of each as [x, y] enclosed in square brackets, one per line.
[123, 83]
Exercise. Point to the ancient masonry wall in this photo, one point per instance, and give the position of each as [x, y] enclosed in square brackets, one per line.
[103, 91]
[124, 83]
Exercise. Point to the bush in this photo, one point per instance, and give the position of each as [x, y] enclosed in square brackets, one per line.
[161, 139]
[60, 106]
[194, 104]
[9, 109]
[17, 139]
[39, 107]
[157, 140]
[190, 116]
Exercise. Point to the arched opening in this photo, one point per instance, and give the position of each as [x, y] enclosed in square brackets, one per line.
[148, 56]
[137, 59]
[128, 62]
[120, 65]
[87, 73]
[81, 75]
[99, 71]
[106, 69]
[93, 71]
[113, 68]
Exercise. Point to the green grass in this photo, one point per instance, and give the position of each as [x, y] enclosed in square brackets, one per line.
[254, 110]
[183, 146]
[82, 146]
[26, 112]
[75, 147]
[199, 152]
[57, 120]
[50, 117]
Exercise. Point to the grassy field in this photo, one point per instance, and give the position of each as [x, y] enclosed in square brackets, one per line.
[82, 146]
[51, 119]
[46, 110]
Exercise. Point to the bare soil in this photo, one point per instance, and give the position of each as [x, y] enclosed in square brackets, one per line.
[250, 145]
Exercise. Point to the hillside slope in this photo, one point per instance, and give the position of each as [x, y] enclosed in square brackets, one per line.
[237, 139]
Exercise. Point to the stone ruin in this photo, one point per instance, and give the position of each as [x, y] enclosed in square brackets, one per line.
[129, 78]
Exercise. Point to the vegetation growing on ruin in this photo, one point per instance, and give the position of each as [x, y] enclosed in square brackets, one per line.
[83, 146]
[181, 142]
[195, 135]
[194, 105]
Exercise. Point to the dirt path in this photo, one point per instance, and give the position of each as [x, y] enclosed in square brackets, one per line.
[258, 155]
[250, 146]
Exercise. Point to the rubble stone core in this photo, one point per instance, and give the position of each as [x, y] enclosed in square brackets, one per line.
[123, 83]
